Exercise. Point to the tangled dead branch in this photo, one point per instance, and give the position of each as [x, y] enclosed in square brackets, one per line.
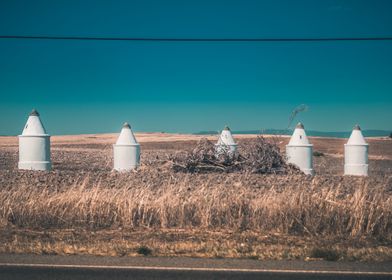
[260, 156]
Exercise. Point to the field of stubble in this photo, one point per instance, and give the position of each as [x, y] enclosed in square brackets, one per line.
[82, 207]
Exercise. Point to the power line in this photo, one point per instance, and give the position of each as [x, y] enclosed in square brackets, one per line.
[151, 39]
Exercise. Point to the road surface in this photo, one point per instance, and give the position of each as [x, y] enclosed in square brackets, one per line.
[88, 267]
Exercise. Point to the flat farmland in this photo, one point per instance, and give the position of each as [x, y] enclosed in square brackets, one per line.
[83, 207]
[89, 153]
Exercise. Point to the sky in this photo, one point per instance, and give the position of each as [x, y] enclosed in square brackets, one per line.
[95, 86]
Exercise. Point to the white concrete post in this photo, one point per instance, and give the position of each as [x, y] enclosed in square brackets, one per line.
[299, 151]
[34, 145]
[356, 154]
[226, 142]
[126, 151]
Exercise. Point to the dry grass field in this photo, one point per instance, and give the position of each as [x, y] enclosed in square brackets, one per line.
[82, 207]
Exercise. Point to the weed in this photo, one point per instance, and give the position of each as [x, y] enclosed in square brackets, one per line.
[325, 254]
[318, 154]
[144, 250]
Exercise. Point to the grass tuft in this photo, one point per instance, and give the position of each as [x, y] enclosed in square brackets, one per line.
[327, 254]
[144, 250]
[318, 154]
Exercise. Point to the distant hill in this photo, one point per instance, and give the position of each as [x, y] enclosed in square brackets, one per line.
[336, 134]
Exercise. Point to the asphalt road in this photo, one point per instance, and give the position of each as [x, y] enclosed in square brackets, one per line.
[85, 267]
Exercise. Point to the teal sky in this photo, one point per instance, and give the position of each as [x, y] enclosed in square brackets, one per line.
[91, 87]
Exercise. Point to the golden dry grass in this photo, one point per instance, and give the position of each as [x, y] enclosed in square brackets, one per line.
[349, 207]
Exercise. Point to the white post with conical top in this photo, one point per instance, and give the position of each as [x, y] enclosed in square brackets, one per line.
[356, 154]
[226, 142]
[299, 151]
[34, 145]
[126, 150]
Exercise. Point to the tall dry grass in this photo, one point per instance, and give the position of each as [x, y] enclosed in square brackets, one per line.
[347, 207]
